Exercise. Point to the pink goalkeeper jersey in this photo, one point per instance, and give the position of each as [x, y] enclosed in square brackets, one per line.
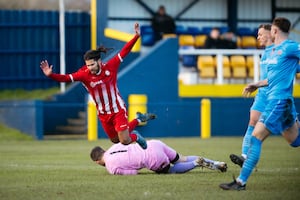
[128, 159]
[103, 86]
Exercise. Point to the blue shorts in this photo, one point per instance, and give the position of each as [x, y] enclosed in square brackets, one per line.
[279, 115]
[260, 102]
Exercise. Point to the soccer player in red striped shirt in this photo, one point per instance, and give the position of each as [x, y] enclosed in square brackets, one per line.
[100, 79]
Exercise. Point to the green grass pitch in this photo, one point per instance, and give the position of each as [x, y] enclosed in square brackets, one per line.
[62, 169]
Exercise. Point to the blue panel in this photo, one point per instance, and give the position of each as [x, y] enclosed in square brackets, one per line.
[193, 30]
[27, 116]
[27, 37]
[245, 31]
[230, 116]
[65, 109]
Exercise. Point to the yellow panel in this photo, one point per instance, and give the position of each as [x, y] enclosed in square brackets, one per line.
[122, 36]
[225, 90]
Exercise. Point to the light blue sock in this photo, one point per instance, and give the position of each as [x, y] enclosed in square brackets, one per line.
[208, 160]
[296, 142]
[246, 140]
[182, 167]
[191, 158]
[251, 161]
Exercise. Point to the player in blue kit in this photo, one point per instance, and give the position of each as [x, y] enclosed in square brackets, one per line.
[279, 115]
[258, 106]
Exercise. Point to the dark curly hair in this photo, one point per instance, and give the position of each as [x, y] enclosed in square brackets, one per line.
[95, 54]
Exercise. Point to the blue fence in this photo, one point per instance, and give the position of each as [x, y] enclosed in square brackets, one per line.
[25, 116]
[27, 37]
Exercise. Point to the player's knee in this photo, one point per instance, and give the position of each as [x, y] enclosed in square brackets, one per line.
[125, 141]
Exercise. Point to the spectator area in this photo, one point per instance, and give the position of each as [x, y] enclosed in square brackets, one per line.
[195, 36]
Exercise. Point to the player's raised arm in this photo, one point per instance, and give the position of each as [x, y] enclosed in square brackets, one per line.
[128, 46]
[137, 29]
[47, 70]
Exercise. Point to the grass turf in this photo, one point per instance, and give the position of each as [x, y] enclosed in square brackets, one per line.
[62, 169]
[20, 94]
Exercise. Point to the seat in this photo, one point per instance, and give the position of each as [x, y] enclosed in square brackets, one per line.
[223, 29]
[248, 42]
[200, 41]
[188, 60]
[226, 67]
[238, 65]
[169, 35]
[146, 29]
[186, 40]
[147, 35]
[193, 30]
[239, 42]
[206, 30]
[206, 66]
[250, 66]
[245, 31]
[180, 30]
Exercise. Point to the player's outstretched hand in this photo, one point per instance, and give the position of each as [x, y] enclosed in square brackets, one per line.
[45, 68]
[137, 28]
[249, 89]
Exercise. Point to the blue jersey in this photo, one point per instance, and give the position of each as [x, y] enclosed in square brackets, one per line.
[264, 68]
[260, 100]
[282, 64]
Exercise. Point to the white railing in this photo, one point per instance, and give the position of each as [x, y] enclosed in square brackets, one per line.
[219, 54]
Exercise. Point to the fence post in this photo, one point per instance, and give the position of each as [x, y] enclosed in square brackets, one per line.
[137, 103]
[205, 119]
[92, 120]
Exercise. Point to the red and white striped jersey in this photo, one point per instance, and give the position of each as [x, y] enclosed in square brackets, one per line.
[103, 86]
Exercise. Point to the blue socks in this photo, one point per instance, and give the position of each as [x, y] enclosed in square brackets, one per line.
[251, 161]
[296, 143]
[246, 141]
[191, 158]
[182, 167]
